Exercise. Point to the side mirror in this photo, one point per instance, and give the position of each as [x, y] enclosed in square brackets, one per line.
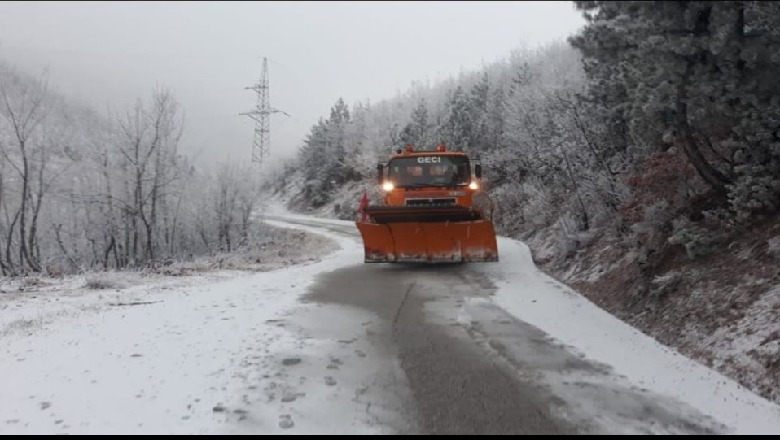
[478, 171]
[380, 174]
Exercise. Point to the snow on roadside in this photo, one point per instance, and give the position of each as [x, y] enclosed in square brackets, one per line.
[28, 303]
[136, 369]
[532, 296]
[567, 316]
[274, 208]
[751, 344]
[167, 359]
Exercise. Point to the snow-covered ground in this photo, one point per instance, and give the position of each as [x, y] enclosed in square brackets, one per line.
[170, 357]
[196, 357]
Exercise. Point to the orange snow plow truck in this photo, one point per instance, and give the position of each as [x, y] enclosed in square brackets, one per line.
[433, 211]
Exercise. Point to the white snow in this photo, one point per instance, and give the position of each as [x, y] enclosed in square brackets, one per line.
[569, 317]
[82, 366]
[86, 367]
[756, 333]
[274, 209]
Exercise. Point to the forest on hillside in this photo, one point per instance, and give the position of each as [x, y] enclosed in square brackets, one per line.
[639, 160]
[657, 123]
[84, 191]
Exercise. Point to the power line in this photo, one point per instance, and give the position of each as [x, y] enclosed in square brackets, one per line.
[261, 143]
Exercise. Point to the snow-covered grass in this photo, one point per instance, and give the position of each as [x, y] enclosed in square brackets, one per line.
[39, 299]
[773, 249]
[717, 309]
[751, 344]
[271, 249]
[103, 282]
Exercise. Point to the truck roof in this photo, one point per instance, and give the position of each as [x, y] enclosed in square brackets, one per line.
[429, 153]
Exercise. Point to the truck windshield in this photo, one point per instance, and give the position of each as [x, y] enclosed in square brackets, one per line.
[429, 171]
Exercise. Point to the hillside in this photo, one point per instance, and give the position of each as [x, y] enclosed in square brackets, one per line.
[637, 176]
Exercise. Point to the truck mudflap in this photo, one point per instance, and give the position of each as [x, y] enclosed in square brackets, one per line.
[447, 241]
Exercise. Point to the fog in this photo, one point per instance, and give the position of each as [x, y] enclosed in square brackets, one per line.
[109, 54]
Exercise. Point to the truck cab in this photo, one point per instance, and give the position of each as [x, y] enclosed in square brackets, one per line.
[428, 214]
[429, 178]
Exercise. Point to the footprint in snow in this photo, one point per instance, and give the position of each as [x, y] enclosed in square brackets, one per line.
[286, 422]
[291, 361]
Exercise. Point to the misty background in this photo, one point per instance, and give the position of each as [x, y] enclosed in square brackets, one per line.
[108, 54]
[639, 159]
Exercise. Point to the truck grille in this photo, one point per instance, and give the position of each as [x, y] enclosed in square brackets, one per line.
[430, 202]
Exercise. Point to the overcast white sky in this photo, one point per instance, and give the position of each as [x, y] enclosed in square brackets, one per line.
[110, 53]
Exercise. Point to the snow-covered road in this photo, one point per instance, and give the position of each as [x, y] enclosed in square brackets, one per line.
[338, 346]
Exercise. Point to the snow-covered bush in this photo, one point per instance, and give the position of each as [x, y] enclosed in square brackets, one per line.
[696, 239]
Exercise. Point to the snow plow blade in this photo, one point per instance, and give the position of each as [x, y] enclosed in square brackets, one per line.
[428, 235]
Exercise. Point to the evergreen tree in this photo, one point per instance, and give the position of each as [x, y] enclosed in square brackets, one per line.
[694, 74]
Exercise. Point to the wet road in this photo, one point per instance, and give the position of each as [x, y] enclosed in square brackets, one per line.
[462, 365]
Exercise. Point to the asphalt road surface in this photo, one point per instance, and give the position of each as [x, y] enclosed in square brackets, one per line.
[452, 362]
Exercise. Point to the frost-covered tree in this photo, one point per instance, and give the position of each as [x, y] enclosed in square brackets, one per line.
[507, 114]
[458, 125]
[419, 131]
[24, 106]
[81, 191]
[696, 75]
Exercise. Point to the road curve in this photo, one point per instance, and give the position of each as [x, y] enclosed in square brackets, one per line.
[469, 367]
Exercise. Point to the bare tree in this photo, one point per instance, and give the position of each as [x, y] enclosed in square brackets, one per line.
[149, 147]
[167, 133]
[113, 192]
[226, 205]
[248, 197]
[24, 109]
[4, 269]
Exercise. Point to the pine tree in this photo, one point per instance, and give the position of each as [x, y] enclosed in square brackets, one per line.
[458, 125]
[695, 75]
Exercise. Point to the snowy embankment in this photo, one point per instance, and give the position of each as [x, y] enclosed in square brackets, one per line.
[570, 318]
